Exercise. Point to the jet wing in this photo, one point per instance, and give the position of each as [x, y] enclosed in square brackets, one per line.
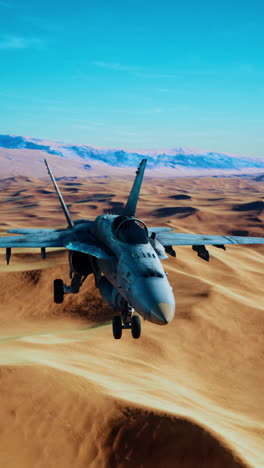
[42, 238]
[157, 230]
[33, 231]
[80, 225]
[51, 238]
[174, 238]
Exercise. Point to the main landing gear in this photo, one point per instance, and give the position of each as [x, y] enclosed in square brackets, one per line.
[58, 291]
[59, 288]
[127, 321]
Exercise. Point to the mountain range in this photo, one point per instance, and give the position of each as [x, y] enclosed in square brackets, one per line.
[186, 161]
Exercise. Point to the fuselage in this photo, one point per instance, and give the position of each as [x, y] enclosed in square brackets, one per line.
[135, 270]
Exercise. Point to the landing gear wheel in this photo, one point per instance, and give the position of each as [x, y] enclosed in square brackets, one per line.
[117, 327]
[135, 326]
[58, 291]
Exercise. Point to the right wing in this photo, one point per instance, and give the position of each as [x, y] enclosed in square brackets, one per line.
[66, 238]
[42, 239]
[77, 237]
[31, 231]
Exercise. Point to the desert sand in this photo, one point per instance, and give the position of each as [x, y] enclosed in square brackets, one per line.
[186, 395]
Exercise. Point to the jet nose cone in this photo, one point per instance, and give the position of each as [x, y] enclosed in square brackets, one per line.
[152, 298]
[162, 313]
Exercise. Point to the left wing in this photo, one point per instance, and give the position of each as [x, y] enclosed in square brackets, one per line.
[157, 230]
[199, 241]
[174, 238]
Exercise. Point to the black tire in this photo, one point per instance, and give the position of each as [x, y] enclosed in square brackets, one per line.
[135, 326]
[58, 291]
[117, 327]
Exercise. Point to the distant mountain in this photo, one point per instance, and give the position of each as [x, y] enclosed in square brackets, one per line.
[172, 159]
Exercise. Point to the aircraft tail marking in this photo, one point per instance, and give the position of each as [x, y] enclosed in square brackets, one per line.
[62, 202]
[131, 205]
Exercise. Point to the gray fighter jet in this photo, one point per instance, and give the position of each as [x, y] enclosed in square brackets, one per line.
[123, 255]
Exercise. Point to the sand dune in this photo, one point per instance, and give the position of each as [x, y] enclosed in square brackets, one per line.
[253, 206]
[180, 197]
[183, 211]
[186, 395]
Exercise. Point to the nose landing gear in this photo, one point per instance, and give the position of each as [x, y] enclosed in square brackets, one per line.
[127, 321]
[135, 326]
[117, 327]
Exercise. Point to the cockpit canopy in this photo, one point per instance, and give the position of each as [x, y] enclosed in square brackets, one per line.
[130, 230]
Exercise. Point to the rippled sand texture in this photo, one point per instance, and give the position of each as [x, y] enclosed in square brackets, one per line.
[186, 395]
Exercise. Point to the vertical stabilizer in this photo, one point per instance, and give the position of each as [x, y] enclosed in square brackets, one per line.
[131, 205]
[62, 202]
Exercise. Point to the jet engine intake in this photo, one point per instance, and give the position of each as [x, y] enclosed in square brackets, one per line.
[80, 263]
[158, 247]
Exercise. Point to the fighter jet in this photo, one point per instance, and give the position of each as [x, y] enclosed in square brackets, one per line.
[124, 255]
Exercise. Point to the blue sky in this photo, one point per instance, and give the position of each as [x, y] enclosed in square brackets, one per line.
[135, 74]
